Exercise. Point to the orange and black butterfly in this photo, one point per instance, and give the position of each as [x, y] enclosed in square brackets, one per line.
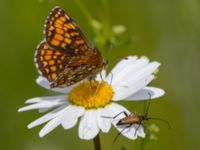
[65, 56]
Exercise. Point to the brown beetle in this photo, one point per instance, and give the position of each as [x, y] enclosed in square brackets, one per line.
[132, 119]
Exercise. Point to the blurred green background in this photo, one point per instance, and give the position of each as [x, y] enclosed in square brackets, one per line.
[164, 30]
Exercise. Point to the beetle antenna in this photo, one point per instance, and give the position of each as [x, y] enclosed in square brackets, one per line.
[148, 104]
[163, 120]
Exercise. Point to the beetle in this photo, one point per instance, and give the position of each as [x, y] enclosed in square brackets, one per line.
[135, 119]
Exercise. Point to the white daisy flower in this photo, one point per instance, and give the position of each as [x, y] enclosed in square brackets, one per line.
[89, 101]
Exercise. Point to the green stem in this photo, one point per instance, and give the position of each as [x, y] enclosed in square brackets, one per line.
[142, 144]
[87, 15]
[106, 20]
[83, 9]
[97, 143]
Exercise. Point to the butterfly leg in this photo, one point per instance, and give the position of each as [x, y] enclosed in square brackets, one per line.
[97, 88]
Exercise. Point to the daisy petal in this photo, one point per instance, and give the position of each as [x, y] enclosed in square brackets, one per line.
[115, 112]
[120, 66]
[103, 123]
[88, 128]
[129, 70]
[50, 126]
[47, 105]
[45, 99]
[141, 132]
[122, 92]
[144, 93]
[58, 111]
[43, 110]
[44, 102]
[43, 82]
[130, 78]
[71, 116]
[130, 131]
[101, 76]
[142, 73]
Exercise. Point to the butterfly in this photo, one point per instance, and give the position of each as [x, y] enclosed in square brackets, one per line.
[65, 56]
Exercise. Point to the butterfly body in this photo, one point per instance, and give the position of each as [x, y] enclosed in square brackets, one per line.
[65, 57]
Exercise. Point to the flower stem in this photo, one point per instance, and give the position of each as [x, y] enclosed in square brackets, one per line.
[97, 143]
[83, 9]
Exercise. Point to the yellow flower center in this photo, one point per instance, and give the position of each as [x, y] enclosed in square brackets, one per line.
[91, 94]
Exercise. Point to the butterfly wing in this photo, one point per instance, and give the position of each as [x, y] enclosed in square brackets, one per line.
[63, 70]
[86, 66]
[65, 57]
[62, 33]
[49, 62]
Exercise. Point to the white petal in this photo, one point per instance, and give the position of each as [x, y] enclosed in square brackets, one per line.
[143, 94]
[131, 77]
[115, 112]
[130, 131]
[57, 112]
[140, 132]
[44, 99]
[143, 73]
[43, 82]
[103, 123]
[120, 66]
[101, 76]
[129, 70]
[50, 126]
[88, 128]
[71, 116]
[124, 92]
[43, 110]
[38, 106]
[44, 102]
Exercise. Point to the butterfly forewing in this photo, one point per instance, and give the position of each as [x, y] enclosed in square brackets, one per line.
[62, 33]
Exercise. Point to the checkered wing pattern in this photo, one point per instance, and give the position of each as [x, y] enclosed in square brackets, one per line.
[79, 68]
[49, 62]
[62, 33]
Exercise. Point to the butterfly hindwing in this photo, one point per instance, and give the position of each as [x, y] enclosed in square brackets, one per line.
[78, 69]
[49, 62]
[62, 33]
